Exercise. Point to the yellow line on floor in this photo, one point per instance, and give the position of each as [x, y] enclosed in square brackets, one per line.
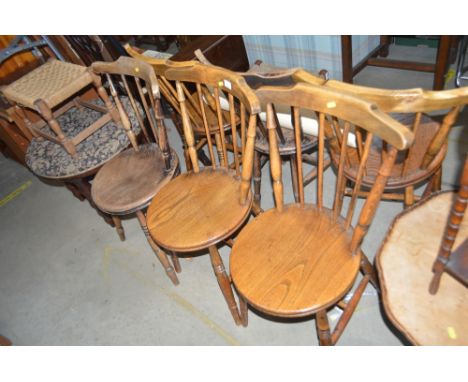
[178, 299]
[15, 193]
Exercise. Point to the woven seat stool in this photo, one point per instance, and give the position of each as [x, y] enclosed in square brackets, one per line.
[45, 91]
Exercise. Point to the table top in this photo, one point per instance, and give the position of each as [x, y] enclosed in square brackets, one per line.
[50, 160]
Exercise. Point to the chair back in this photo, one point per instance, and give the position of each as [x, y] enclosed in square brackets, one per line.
[213, 86]
[341, 119]
[145, 101]
[410, 107]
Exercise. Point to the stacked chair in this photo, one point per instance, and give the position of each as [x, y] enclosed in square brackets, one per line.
[303, 256]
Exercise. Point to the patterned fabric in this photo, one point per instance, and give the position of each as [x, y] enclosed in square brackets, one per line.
[312, 53]
[50, 160]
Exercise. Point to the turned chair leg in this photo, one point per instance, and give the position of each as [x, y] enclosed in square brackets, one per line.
[368, 269]
[224, 283]
[161, 255]
[257, 177]
[118, 227]
[176, 262]
[409, 196]
[244, 312]
[46, 113]
[323, 328]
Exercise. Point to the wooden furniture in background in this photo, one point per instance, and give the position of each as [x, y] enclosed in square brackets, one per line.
[439, 68]
[225, 51]
[455, 262]
[127, 183]
[206, 206]
[422, 162]
[300, 259]
[417, 236]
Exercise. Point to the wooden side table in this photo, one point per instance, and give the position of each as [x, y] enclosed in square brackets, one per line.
[446, 43]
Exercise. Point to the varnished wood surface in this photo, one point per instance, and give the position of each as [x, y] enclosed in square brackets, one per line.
[197, 210]
[407, 169]
[295, 262]
[405, 264]
[130, 180]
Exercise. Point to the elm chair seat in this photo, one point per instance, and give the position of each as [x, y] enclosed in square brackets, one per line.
[197, 210]
[130, 180]
[294, 263]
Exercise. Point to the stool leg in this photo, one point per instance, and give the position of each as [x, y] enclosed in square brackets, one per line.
[159, 253]
[118, 227]
[176, 262]
[46, 113]
[224, 283]
[105, 98]
[244, 312]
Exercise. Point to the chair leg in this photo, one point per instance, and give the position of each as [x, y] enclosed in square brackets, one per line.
[159, 253]
[176, 262]
[368, 269]
[323, 328]
[118, 227]
[257, 176]
[409, 196]
[224, 283]
[244, 312]
[294, 177]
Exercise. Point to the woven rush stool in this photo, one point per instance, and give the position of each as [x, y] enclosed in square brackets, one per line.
[48, 87]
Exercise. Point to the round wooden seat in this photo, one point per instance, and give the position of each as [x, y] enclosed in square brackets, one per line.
[289, 145]
[405, 265]
[195, 211]
[129, 181]
[295, 262]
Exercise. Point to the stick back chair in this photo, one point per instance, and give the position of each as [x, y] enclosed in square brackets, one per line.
[128, 182]
[206, 206]
[300, 259]
[428, 309]
[422, 162]
[194, 112]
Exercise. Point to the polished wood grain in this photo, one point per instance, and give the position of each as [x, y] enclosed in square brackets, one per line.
[195, 211]
[295, 262]
[404, 264]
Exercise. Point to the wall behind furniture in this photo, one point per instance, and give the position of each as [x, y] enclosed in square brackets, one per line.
[310, 52]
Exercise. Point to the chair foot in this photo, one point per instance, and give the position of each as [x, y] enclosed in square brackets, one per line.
[435, 282]
[160, 254]
[224, 283]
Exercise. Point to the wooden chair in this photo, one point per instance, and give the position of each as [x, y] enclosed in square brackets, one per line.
[427, 231]
[51, 90]
[128, 182]
[206, 206]
[422, 162]
[300, 259]
[169, 92]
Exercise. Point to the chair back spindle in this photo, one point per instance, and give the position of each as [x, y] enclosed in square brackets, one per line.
[340, 117]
